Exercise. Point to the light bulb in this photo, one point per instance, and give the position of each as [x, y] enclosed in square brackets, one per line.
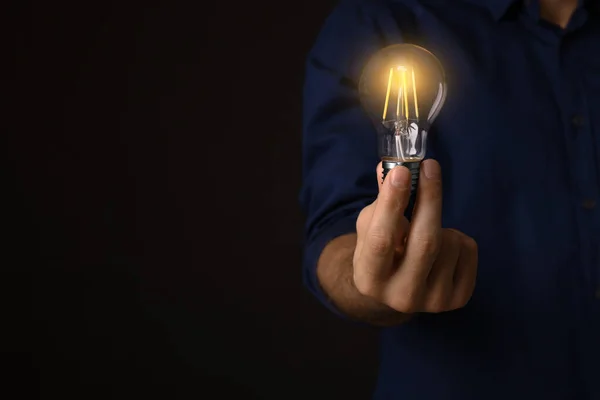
[403, 89]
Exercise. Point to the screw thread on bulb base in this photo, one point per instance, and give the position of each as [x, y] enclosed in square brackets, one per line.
[414, 167]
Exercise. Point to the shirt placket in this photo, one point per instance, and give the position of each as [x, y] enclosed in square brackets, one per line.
[585, 167]
[585, 197]
[582, 151]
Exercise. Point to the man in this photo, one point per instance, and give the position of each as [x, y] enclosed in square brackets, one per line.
[518, 142]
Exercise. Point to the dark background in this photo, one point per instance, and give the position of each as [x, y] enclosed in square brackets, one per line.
[152, 234]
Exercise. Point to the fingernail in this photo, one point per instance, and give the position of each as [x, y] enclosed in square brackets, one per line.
[432, 169]
[398, 178]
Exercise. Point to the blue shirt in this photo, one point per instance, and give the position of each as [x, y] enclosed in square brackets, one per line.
[519, 144]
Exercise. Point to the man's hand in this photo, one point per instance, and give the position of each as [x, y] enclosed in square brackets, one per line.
[416, 267]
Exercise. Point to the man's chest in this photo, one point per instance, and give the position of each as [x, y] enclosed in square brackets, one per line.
[524, 109]
[519, 136]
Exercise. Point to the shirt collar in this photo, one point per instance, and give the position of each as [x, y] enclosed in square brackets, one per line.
[499, 8]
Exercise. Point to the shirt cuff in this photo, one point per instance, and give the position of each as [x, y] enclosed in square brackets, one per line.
[313, 252]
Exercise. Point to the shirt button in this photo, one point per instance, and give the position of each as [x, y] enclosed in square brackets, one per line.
[589, 204]
[577, 120]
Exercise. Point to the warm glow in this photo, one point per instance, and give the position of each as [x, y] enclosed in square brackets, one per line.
[400, 84]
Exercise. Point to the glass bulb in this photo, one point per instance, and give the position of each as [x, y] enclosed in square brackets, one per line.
[403, 89]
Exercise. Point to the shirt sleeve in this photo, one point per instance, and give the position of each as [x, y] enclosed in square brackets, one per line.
[339, 152]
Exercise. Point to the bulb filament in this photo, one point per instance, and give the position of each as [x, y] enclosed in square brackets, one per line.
[402, 90]
[402, 125]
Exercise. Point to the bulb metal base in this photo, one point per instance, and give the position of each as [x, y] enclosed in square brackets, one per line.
[413, 166]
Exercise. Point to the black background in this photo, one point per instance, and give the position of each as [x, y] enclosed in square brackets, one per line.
[153, 238]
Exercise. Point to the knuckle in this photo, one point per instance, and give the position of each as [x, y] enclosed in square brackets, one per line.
[380, 243]
[405, 302]
[470, 243]
[438, 303]
[436, 307]
[451, 237]
[365, 281]
[364, 217]
[428, 246]
[365, 286]
[463, 297]
[403, 305]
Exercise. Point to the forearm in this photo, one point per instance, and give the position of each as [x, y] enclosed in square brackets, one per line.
[335, 273]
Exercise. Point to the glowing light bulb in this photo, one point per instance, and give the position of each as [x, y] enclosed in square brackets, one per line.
[403, 89]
